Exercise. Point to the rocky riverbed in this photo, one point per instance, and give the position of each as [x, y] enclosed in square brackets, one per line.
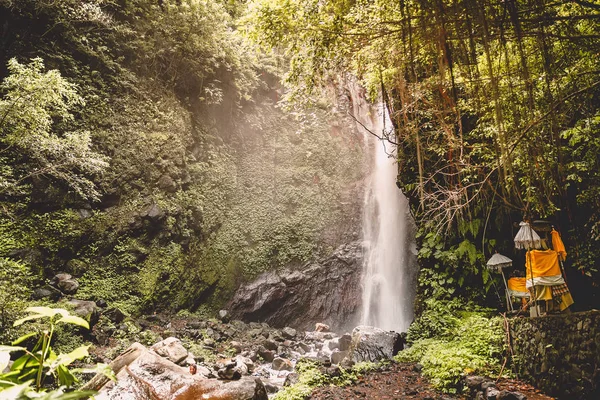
[178, 358]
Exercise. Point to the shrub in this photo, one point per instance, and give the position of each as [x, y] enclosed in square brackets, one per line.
[459, 343]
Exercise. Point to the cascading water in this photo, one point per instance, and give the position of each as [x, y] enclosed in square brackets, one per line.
[389, 269]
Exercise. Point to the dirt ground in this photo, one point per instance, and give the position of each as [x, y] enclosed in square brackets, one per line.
[401, 381]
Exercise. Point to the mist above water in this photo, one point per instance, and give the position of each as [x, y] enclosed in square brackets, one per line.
[390, 266]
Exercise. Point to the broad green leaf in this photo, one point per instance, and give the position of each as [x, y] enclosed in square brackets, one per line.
[9, 349]
[14, 392]
[100, 368]
[41, 312]
[77, 354]
[65, 377]
[47, 311]
[24, 337]
[75, 320]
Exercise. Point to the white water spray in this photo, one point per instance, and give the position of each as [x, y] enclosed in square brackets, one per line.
[389, 268]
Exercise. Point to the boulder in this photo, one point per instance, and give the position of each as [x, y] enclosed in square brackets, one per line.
[473, 382]
[69, 286]
[282, 364]
[506, 395]
[338, 356]
[291, 379]
[373, 344]
[143, 373]
[65, 283]
[46, 292]
[87, 310]
[327, 291]
[289, 333]
[344, 342]
[224, 315]
[172, 349]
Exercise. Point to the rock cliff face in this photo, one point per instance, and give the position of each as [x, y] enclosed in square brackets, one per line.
[327, 291]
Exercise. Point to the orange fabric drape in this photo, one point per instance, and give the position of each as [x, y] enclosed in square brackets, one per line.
[517, 284]
[542, 263]
[558, 245]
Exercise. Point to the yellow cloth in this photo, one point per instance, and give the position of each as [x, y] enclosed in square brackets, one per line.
[517, 284]
[542, 263]
[558, 245]
[545, 293]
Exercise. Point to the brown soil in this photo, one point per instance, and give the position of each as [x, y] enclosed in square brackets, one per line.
[402, 381]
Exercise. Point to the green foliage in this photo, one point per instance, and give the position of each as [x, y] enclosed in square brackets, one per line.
[494, 106]
[33, 100]
[15, 280]
[40, 360]
[171, 93]
[311, 377]
[450, 343]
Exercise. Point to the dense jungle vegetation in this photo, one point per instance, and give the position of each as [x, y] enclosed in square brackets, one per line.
[143, 151]
[496, 117]
[163, 151]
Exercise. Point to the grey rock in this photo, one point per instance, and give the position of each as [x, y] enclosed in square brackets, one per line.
[327, 291]
[270, 388]
[373, 344]
[153, 212]
[167, 183]
[304, 346]
[46, 292]
[87, 310]
[289, 333]
[474, 382]
[344, 342]
[68, 286]
[506, 395]
[282, 364]
[229, 373]
[269, 345]
[265, 354]
[170, 381]
[491, 393]
[291, 379]
[333, 344]
[172, 349]
[338, 356]
[224, 315]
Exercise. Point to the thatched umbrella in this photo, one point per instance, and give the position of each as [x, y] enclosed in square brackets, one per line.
[497, 263]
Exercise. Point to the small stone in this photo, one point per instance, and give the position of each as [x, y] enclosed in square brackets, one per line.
[506, 395]
[289, 333]
[319, 327]
[282, 364]
[304, 347]
[338, 356]
[491, 393]
[269, 345]
[267, 355]
[474, 382]
[291, 379]
[224, 315]
[344, 342]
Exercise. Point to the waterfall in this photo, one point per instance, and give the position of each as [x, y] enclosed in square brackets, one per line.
[389, 267]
